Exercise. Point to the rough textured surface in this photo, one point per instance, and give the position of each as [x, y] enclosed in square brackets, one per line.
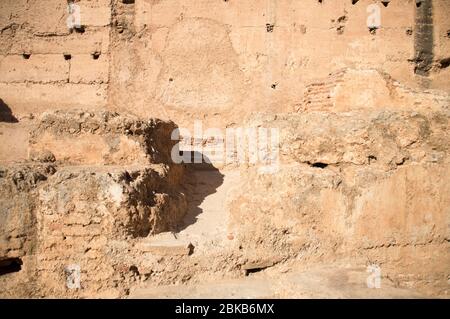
[56, 211]
[102, 138]
[86, 171]
[367, 184]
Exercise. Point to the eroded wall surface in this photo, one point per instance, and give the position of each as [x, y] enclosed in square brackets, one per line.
[363, 116]
[216, 59]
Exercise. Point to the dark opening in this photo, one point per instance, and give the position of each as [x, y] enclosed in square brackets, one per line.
[67, 57]
[26, 56]
[354, 1]
[95, 55]
[444, 63]
[253, 270]
[418, 3]
[191, 249]
[319, 165]
[274, 86]
[10, 265]
[126, 177]
[342, 19]
[269, 27]
[6, 114]
[424, 38]
[128, 1]
[385, 3]
[373, 30]
[372, 158]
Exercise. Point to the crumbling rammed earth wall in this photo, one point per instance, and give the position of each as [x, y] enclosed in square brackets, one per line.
[84, 203]
[363, 116]
[144, 56]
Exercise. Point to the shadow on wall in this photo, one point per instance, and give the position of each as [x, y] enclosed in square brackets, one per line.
[203, 179]
[6, 114]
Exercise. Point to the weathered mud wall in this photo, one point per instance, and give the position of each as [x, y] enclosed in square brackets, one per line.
[367, 185]
[363, 116]
[84, 203]
[215, 59]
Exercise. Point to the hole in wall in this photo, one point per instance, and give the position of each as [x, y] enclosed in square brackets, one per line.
[274, 86]
[128, 1]
[269, 27]
[342, 19]
[191, 249]
[444, 63]
[409, 31]
[80, 29]
[418, 3]
[448, 33]
[385, 3]
[6, 114]
[354, 2]
[67, 57]
[95, 55]
[26, 56]
[318, 165]
[373, 30]
[320, 1]
[10, 265]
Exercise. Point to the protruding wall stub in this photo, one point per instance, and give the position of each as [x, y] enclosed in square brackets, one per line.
[102, 138]
[19, 186]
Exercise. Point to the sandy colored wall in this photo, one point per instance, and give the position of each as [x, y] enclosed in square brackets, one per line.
[216, 60]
